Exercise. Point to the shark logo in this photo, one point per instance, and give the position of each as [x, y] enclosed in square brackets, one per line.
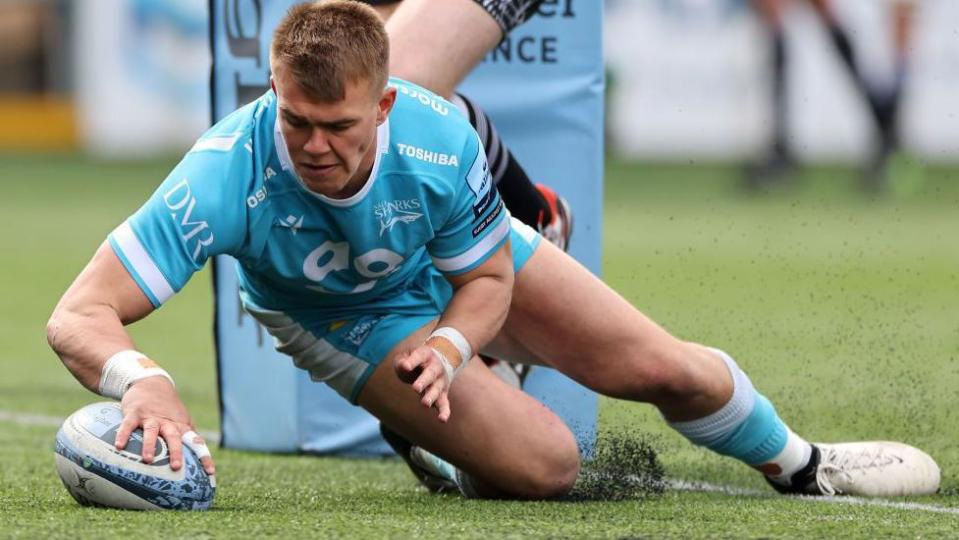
[390, 213]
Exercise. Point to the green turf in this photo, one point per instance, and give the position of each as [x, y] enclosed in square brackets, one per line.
[843, 309]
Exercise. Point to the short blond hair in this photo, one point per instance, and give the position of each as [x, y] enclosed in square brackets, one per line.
[328, 44]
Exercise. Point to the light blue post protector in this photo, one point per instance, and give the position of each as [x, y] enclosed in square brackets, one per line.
[543, 86]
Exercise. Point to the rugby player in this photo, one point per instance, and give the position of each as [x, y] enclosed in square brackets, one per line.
[436, 45]
[883, 101]
[402, 265]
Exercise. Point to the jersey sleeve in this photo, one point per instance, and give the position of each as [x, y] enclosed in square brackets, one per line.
[478, 223]
[197, 212]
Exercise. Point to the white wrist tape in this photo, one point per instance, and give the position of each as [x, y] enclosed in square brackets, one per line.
[462, 346]
[447, 365]
[125, 368]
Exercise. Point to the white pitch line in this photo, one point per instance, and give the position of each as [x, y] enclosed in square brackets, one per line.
[704, 487]
[212, 437]
[29, 419]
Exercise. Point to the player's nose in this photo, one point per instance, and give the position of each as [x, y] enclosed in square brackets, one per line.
[318, 143]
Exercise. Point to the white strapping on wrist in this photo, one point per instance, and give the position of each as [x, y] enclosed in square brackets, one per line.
[447, 365]
[459, 341]
[125, 368]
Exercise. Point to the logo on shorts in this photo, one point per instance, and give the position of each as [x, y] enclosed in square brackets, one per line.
[389, 213]
[361, 330]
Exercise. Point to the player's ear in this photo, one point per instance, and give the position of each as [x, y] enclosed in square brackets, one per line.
[272, 84]
[385, 105]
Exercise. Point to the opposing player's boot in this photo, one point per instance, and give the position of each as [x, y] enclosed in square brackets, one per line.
[775, 169]
[437, 475]
[511, 373]
[560, 227]
[866, 469]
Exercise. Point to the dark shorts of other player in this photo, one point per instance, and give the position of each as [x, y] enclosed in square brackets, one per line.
[508, 14]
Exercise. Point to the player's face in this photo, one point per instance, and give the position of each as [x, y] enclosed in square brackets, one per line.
[332, 144]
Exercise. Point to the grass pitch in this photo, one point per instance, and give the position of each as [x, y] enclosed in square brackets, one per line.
[843, 309]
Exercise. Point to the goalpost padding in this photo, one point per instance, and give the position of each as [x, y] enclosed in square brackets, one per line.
[543, 86]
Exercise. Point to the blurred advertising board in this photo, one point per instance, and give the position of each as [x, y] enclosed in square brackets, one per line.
[142, 75]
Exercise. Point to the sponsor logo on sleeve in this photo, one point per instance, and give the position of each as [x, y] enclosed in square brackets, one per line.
[181, 202]
[480, 181]
[483, 225]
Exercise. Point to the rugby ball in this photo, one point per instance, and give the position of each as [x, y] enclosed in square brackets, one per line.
[97, 474]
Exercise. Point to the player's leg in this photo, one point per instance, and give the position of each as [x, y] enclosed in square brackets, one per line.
[778, 162]
[436, 44]
[886, 98]
[567, 317]
[507, 444]
[840, 40]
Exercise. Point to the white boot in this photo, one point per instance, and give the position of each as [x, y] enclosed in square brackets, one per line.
[876, 469]
[865, 469]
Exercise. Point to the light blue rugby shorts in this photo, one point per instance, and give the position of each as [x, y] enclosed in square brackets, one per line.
[344, 352]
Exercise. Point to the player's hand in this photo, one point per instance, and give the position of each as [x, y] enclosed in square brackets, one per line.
[153, 404]
[423, 370]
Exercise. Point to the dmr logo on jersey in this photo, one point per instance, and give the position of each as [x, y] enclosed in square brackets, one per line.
[389, 213]
[181, 202]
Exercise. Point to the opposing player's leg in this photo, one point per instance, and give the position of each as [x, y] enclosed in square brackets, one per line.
[536, 205]
[563, 315]
[778, 162]
[436, 44]
[503, 442]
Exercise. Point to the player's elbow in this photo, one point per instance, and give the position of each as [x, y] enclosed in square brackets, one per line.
[64, 325]
[56, 325]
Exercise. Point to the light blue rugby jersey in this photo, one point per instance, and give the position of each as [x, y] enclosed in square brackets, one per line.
[429, 204]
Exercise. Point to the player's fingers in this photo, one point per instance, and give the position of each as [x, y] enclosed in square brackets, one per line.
[151, 429]
[129, 423]
[410, 366]
[433, 392]
[171, 434]
[443, 405]
[432, 373]
[411, 361]
[199, 447]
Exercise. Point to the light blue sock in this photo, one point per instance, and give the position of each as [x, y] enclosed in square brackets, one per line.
[746, 428]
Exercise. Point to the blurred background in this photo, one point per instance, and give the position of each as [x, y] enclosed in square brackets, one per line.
[689, 79]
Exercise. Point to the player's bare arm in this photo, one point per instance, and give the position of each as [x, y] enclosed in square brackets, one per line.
[87, 329]
[477, 311]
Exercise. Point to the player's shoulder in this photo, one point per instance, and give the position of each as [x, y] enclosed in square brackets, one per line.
[428, 134]
[234, 133]
[228, 152]
[417, 108]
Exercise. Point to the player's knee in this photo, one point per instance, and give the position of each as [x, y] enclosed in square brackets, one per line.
[554, 474]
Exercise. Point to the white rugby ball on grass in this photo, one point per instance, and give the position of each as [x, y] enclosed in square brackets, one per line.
[97, 474]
